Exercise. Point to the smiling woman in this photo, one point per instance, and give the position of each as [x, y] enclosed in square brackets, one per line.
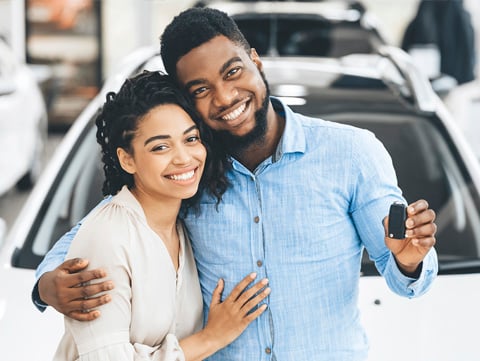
[153, 159]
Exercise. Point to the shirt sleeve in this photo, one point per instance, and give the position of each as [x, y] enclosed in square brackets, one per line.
[375, 188]
[106, 239]
[56, 256]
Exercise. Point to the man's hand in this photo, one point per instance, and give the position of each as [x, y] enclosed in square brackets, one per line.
[67, 289]
[420, 232]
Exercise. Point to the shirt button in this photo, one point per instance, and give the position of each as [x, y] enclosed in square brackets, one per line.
[259, 263]
[256, 219]
[268, 350]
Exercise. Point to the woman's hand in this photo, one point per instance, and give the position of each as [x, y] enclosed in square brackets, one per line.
[228, 319]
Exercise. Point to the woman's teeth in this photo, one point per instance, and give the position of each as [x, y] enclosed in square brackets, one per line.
[182, 177]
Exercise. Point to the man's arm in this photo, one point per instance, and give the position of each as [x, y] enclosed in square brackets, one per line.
[62, 285]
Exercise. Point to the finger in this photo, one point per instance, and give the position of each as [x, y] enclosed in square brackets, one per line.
[252, 316]
[248, 294]
[385, 225]
[91, 290]
[74, 265]
[425, 230]
[240, 287]
[88, 304]
[416, 207]
[217, 293]
[84, 316]
[78, 279]
[419, 219]
[254, 301]
[426, 242]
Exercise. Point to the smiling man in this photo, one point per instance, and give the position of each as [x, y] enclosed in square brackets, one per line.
[305, 197]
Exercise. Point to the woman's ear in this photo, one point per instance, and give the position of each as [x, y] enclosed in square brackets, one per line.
[256, 59]
[126, 161]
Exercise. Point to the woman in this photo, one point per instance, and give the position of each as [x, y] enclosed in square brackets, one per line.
[153, 161]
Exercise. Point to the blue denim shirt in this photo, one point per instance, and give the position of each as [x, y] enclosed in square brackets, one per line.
[301, 219]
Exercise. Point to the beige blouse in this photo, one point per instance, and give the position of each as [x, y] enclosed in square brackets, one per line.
[152, 306]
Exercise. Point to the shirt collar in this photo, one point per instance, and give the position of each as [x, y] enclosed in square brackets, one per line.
[293, 137]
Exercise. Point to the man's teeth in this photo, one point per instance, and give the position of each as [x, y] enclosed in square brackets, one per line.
[235, 113]
[182, 177]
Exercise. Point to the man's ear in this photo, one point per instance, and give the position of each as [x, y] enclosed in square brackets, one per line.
[126, 161]
[256, 59]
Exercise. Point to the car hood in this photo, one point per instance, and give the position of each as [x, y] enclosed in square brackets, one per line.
[25, 332]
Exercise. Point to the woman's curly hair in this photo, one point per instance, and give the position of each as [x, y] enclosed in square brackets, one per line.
[119, 118]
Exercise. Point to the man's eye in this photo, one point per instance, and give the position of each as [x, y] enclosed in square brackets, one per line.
[199, 91]
[233, 71]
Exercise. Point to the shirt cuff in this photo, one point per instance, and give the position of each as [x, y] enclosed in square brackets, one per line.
[37, 301]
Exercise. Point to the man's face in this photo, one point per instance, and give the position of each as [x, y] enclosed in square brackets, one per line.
[228, 89]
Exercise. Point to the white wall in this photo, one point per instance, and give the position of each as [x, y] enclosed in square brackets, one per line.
[129, 24]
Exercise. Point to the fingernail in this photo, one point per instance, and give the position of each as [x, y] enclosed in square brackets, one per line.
[265, 281]
[410, 223]
[415, 241]
[253, 275]
[411, 210]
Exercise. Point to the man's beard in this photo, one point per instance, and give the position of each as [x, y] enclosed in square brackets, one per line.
[234, 144]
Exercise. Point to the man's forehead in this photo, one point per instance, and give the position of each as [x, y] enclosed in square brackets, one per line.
[213, 54]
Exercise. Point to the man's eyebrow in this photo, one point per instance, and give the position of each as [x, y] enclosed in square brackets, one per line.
[222, 70]
[228, 63]
[157, 137]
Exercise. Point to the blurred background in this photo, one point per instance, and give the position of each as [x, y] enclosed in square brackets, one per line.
[55, 56]
[73, 45]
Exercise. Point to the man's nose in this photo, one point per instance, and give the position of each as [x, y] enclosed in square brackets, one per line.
[225, 95]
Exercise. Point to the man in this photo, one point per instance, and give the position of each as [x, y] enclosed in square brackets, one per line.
[305, 197]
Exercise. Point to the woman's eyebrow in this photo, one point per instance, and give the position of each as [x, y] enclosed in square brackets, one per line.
[161, 136]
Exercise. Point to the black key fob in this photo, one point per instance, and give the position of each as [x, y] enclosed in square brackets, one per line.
[396, 220]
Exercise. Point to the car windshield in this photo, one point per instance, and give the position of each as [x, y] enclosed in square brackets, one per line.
[305, 35]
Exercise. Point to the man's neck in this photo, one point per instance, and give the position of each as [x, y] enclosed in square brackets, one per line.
[256, 153]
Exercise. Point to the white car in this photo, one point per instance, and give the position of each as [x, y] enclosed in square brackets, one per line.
[23, 123]
[381, 92]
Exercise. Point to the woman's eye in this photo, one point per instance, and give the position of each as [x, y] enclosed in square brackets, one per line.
[159, 148]
[193, 138]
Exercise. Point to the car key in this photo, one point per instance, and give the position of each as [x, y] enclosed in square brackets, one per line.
[396, 220]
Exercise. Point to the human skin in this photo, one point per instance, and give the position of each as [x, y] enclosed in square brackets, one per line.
[226, 84]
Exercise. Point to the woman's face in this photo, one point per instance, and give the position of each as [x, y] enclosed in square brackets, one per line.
[168, 156]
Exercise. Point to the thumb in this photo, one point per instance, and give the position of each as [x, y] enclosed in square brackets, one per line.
[217, 293]
[385, 225]
[74, 265]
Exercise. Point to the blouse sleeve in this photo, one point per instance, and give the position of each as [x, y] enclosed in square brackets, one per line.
[104, 240]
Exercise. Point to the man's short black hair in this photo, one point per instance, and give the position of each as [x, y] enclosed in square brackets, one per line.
[192, 28]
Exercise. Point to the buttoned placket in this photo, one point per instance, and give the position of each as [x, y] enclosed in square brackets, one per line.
[258, 249]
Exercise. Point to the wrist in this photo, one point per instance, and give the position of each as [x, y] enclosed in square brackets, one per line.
[412, 271]
[213, 342]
